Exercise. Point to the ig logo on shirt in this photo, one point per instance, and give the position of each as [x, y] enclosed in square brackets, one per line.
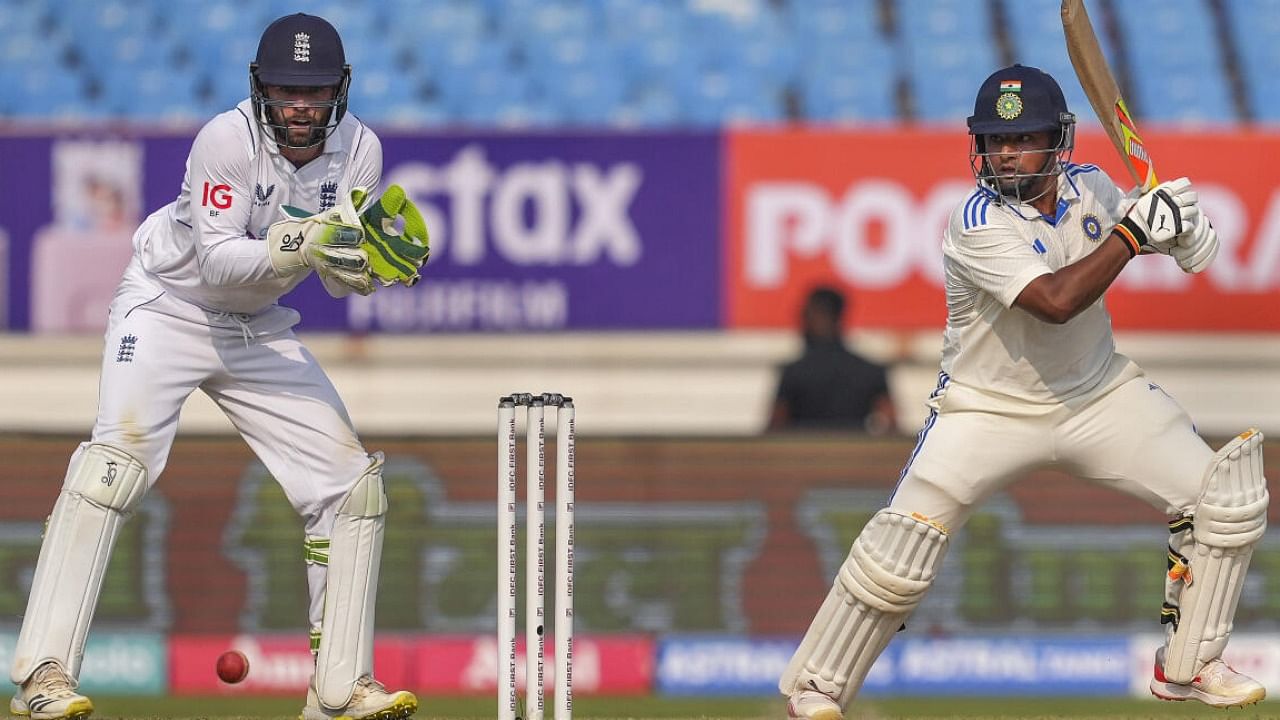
[217, 195]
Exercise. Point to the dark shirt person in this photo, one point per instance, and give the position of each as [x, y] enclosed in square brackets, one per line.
[830, 387]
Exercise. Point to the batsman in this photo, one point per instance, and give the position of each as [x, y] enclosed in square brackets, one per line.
[1030, 378]
[276, 188]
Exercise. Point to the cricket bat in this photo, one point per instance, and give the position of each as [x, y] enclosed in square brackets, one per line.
[1100, 87]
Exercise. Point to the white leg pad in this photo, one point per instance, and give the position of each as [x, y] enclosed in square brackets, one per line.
[355, 553]
[1229, 520]
[890, 567]
[103, 484]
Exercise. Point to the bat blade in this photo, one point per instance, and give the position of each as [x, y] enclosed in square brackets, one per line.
[1104, 95]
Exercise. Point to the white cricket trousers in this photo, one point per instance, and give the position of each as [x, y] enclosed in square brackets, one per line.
[159, 349]
[1128, 435]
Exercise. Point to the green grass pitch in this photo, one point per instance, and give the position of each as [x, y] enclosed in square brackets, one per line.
[644, 708]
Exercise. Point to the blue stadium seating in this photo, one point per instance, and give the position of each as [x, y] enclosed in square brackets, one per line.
[1175, 61]
[846, 70]
[1256, 26]
[1035, 31]
[947, 51]
[648, 63]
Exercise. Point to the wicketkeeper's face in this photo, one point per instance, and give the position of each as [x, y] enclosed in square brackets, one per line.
[303, 110]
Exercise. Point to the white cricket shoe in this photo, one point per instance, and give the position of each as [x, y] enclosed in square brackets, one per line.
[49, 694]
[1217, 685]
[812, 705]
[369, 701]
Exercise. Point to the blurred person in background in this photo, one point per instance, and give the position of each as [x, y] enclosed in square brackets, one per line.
[1031, 378]
[197, 308]
[830, 387]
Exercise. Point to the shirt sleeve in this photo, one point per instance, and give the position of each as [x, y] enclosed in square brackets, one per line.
[995, 259]
[366, 161]
[220, 170]
[1110, 199]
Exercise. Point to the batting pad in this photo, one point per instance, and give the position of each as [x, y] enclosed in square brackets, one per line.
[103, 484]
[1229, 520]
[355, 552]
[891, 565]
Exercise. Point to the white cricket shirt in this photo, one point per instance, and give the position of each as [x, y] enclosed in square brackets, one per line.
[207, 246]
[991, 252]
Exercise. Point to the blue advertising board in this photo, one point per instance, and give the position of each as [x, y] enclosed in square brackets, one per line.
[1098, 666]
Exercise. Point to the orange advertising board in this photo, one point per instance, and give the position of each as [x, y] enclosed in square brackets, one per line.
[864, 211]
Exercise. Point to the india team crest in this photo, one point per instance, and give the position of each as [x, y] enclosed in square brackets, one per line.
[1092, 228]
[1008, 106]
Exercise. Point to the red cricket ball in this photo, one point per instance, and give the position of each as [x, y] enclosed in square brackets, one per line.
[233, 666]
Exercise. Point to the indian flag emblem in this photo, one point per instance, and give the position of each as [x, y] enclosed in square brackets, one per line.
[1010, 86]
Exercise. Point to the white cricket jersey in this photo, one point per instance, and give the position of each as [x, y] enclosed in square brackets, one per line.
[207, 247]
[992, 250]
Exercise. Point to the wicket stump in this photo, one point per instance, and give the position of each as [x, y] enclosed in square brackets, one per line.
[535, 554]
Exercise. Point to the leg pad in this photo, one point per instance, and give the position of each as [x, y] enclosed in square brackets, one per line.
[1229, 520]
[890, 567]
[355, 553]
[103, 485]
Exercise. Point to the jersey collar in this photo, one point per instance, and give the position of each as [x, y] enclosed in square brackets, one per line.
[1068, 193]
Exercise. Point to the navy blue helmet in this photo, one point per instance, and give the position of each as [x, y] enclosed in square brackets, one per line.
[1016, 100]
[300, 50]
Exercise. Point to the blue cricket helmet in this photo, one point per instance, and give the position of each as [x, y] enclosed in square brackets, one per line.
[300, 50]
[1020, 98]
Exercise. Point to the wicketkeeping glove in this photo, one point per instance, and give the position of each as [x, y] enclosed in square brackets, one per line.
[1159, 217]
[394, 256]
[325, 241]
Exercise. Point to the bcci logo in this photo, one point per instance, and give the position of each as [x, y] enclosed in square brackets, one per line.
[1091, 227]
[1009, 106]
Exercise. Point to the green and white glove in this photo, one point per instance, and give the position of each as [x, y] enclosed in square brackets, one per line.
[394, 255]
[327, 242]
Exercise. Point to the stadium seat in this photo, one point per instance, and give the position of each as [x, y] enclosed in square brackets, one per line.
[1175, 62]
[848, 82]
[948, 51]
[847, 21]
[634, 62]
[651, 105]
[38, 91]
[1035, 29]
[1255, 25]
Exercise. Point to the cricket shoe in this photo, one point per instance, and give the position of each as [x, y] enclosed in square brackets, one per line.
[370, 700]
[812, 705]
[1217, 685]
[49, 694]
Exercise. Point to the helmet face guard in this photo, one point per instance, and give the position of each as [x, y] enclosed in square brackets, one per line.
[1023, 189]
[262, 105]
[1018, 100]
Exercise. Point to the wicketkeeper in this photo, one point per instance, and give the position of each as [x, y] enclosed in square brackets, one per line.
[198, 307]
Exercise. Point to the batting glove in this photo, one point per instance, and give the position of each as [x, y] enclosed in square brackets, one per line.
[395, 256]
[1155, 221]
[1196, 248]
